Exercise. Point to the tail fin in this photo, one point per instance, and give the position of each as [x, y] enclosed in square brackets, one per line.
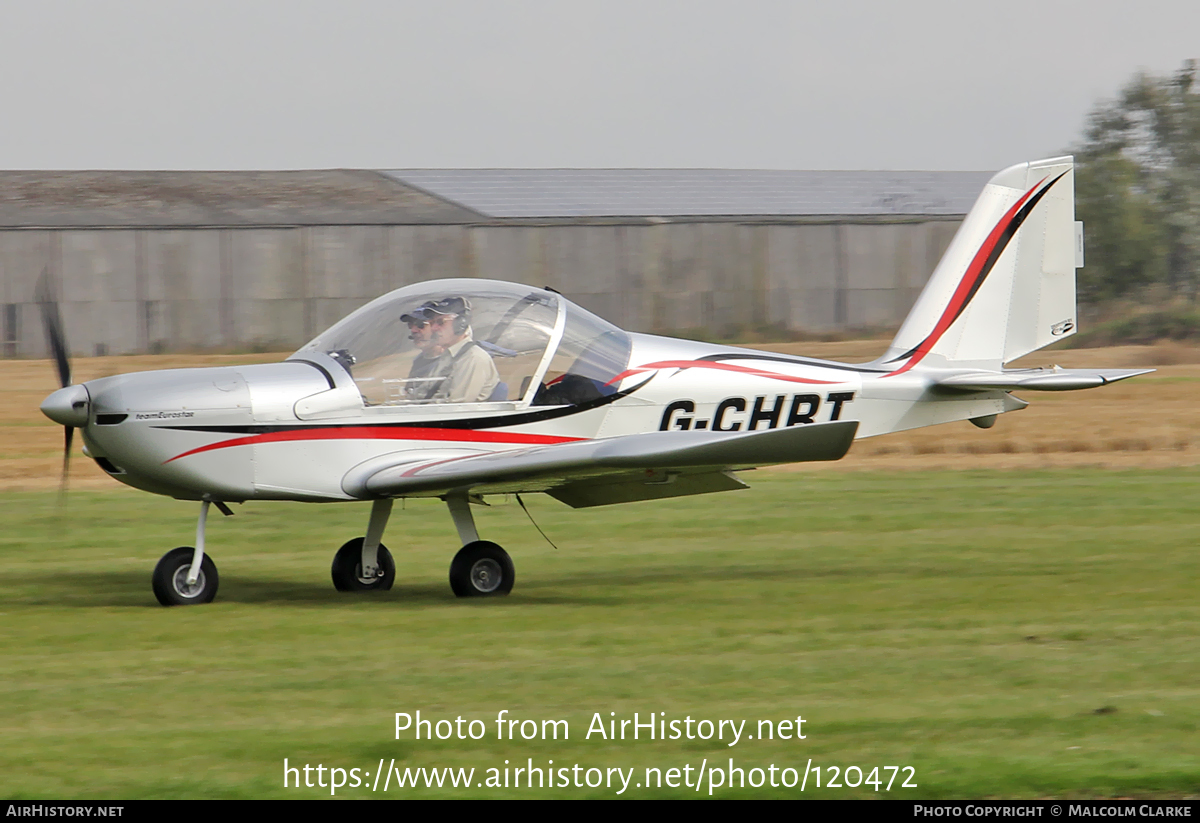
[1006, 285]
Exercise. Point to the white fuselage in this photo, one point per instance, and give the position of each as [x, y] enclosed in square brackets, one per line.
[299, 430]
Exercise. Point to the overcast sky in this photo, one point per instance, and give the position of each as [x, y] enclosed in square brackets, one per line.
[283, 84]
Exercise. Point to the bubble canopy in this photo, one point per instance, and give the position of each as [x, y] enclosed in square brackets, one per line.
[407, 347]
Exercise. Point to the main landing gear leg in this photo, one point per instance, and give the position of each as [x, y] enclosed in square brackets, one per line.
[481, 568]
[365, 564]
[186, 575]
[464, 520]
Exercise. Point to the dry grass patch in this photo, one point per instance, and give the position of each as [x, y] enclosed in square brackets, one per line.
[1149, 421]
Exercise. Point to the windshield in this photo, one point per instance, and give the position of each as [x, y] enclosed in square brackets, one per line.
[475, 341]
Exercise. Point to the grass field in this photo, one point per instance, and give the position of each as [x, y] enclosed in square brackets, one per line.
[1004, 633]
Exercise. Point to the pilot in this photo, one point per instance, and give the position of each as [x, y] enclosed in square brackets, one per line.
[421, 377]
[469, 374]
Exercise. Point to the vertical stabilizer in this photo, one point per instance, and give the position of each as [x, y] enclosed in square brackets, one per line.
[1006, 285]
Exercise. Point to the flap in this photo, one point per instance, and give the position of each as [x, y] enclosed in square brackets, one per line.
[631, 487]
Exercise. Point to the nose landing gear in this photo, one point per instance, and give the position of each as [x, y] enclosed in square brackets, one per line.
[187, 576]
[171, 581]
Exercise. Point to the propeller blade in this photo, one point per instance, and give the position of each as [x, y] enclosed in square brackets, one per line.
[69, 434]
[56, 339]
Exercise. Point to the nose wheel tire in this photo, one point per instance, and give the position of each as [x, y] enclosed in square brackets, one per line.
[170, 579]
[481, 569]
[348, 574]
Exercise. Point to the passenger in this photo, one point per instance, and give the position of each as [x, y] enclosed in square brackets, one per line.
[469, 375]
[422, 382]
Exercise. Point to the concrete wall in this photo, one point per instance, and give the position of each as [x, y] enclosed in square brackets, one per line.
[144, 290]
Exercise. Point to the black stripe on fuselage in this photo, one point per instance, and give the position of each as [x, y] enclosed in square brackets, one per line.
[783, 358]
[521, 418]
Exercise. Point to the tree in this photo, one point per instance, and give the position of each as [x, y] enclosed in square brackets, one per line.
[1138, 189]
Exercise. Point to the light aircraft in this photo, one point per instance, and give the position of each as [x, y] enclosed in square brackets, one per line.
[526, 392]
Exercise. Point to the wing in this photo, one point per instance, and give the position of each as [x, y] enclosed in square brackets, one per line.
[610, 470]
[1048, 379]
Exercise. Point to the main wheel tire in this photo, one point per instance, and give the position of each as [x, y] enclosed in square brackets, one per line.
[170, 579]
[347, 569]
[481, 569]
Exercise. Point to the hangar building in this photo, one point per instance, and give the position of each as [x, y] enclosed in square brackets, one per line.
[178, 261]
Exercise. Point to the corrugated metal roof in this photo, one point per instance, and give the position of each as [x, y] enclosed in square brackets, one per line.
[532, 193]
[216, 198]
[116, 199]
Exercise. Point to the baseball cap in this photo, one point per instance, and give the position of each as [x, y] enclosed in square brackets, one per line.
[447, 305]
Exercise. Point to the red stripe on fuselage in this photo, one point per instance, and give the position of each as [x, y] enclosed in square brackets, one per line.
[385, 433]
[974, 271]
[709, 364]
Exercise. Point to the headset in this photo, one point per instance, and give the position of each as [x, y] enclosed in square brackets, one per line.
[462, 321]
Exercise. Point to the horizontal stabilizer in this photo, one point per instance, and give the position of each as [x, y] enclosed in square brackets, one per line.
[1044, 379]
[539, 468]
